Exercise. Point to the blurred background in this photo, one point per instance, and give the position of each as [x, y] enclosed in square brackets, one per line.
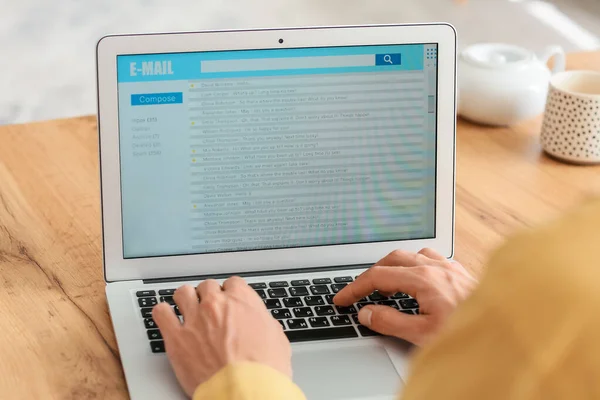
[47, 48]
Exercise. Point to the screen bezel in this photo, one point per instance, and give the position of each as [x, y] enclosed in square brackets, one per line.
[117, 268]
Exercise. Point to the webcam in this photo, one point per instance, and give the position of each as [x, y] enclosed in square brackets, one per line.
[280, 40]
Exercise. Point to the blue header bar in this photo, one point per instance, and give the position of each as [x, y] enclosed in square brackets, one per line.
[246, 63]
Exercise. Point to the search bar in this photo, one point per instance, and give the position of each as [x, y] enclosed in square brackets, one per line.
[267, 64]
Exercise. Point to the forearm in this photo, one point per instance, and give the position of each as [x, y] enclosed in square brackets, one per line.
[248, 381]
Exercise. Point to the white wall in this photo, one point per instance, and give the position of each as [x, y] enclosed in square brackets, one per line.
[47, 47]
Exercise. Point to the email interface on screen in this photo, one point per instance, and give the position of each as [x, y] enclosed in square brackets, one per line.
[261, 149]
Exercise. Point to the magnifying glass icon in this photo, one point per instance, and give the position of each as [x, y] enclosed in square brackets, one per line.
[387, 59]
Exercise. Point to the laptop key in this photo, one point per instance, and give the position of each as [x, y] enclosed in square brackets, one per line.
[282, 324]
[278, 284]
[146, 312]
[318, 322]
[336, 287]
[341, 332]
[376, 296]
[299, 291]
[300, 282]
[355, 319]
[153, 334]
[299, 323]
[260, 285]
[408, 303]
[145, 293]
[324, 310]
[361, 305]
[276, 293]
[166, 292]
[272, 303]
[281, 313]
[342, 279]
[261, 293]
[167, 299]
[149, 323]
[346, 310]
[321, 281]
[300, 312]
[338, 320]
[400, 295]
[389, 303]
[314, 301]
[319, 289]
[364, 331]
[329, 298]
[157, 346]
[147, 301]
[293, 302]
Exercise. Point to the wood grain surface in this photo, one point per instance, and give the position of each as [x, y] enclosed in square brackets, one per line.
[56, 339]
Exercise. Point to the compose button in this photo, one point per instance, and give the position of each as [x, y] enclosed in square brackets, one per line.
[154, 99]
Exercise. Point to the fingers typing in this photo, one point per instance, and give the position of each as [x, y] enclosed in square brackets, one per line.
[207, 288]
[391, 322]
[165, 319]
[385, 279]
[235, 283]
[432, 254]
[403, 258]
[186, 299]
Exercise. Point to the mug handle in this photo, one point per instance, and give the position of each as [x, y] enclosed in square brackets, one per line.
[559, 58]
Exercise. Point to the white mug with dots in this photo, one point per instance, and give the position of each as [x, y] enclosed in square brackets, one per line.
[571, 127]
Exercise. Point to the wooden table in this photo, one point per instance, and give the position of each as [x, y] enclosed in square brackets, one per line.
[56, 339]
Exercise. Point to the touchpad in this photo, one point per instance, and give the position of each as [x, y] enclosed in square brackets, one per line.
[346, 372]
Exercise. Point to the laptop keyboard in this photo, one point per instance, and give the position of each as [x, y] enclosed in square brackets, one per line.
[303, 307]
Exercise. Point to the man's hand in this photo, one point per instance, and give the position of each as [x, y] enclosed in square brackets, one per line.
[438, 285]
[229, 324]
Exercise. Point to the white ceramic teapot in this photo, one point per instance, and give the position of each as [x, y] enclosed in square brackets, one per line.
[501, 84]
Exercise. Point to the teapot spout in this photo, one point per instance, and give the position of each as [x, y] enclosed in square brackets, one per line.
[559, 58]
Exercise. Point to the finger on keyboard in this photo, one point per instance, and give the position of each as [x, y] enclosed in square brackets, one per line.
[386, 279]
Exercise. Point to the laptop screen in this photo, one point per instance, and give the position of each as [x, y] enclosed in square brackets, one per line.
[261, 149]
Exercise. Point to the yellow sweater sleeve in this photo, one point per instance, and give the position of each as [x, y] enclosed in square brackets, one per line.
[248, 381]
[531, 330]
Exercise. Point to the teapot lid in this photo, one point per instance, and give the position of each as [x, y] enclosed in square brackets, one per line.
[496, 55]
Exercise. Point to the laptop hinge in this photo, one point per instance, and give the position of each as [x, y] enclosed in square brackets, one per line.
[257, 273]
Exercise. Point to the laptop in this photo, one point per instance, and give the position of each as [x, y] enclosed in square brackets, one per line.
[295, 158]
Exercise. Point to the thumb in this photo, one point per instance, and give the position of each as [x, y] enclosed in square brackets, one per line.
[391, 322]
